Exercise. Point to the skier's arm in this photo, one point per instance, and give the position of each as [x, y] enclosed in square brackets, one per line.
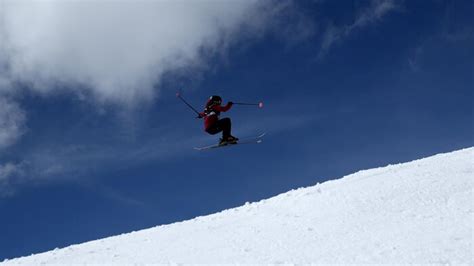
[223, 108]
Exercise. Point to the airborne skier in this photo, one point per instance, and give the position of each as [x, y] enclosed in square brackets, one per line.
[214, 125]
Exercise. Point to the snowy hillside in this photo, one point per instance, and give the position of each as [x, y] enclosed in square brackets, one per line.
[416, 212]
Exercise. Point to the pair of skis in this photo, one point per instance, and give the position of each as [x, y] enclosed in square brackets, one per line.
[247, 140]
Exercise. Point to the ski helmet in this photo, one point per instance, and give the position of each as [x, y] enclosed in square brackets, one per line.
[215, 99]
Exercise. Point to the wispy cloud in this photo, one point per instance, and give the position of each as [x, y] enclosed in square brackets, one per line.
[414, 60]
[7, 170]
[449, 34]
[51, 161]
[10, 173]
[12, 122]
[371, 14]
[12, 127]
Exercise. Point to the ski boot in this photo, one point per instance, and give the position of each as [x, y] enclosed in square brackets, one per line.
[228, 140]
[222, 142]
[232, 140]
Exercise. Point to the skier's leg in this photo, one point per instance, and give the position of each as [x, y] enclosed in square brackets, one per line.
[226, 126]
[223, 125]
[214, 129]
[226, 130]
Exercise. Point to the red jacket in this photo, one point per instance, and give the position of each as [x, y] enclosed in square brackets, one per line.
[211, 114]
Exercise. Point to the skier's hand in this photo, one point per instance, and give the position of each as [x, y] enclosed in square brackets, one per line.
[231, 103]
[200, 115]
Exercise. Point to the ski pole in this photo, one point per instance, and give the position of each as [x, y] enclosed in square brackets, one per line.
[260, 104]
[184, 101]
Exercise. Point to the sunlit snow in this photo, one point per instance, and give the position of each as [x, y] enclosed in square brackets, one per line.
[416, 212]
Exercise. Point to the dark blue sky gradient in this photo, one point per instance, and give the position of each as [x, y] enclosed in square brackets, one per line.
[395, 90]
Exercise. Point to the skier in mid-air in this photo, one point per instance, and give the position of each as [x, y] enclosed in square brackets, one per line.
[214, 125]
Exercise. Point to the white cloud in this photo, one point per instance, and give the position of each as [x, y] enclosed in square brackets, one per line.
[114, 51]
[12, 122]
[117, 50]
[372, 14]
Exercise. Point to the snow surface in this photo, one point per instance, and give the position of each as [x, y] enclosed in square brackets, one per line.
[416, 212]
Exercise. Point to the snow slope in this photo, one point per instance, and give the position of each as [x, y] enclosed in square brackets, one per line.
[416, 212]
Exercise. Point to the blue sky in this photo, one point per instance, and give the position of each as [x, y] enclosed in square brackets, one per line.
[90, 150]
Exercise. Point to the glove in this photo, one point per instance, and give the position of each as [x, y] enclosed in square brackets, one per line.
[231, 103]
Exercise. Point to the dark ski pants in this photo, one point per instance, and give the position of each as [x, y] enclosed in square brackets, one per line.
[223, 125]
